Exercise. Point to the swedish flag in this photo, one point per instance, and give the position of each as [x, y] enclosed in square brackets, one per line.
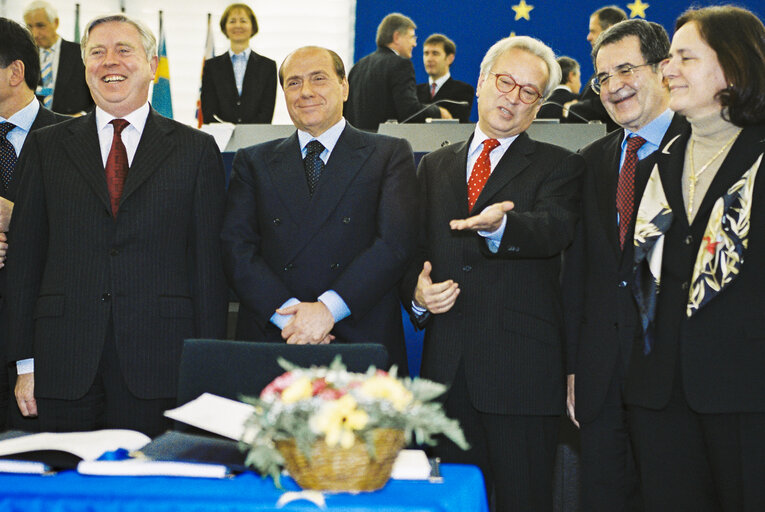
[161, 99]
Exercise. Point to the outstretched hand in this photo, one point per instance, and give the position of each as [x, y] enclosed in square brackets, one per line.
[490, 219]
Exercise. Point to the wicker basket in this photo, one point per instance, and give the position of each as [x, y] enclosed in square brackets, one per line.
[340, 469]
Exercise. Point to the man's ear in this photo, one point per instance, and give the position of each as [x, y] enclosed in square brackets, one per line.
[17, 70]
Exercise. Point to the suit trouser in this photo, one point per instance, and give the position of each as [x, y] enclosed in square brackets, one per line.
[696, 462]
[515, 453]
[107, 404]
[608, 475]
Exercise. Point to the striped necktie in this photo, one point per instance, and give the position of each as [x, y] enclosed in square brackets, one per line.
[47, 78]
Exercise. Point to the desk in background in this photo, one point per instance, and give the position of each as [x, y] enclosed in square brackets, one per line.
[461, 491]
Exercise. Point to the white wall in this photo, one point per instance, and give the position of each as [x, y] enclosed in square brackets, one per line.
[284, 26]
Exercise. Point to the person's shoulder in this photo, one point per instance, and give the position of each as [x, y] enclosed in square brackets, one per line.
[262, 59]
[596, 148]
[460, 83]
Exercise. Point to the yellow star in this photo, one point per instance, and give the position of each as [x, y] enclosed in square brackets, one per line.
[637, 8]
[522, 10]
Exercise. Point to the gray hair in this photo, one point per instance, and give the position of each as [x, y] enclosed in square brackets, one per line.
[392, 23]
[50, 11]
[148, 41]
[528, 44]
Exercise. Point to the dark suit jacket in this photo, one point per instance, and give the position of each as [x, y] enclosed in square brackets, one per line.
[354, 236]
[507, 324]
[154, 272]
[590, 108]
[602, 320]
[71, 94]
[721, 348]
[551, 111]
[44, 118]
[221, 98]
[382, 87]
[451, 90]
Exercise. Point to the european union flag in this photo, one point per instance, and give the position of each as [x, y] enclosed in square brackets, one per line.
[161, 99]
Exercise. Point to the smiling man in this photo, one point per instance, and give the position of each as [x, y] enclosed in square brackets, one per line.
[496, 212]
[318, 226]
[116, 254]
[601, 316]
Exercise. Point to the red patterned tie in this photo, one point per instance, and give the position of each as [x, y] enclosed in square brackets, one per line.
[432, 90]
[116, 165]
[625, 187]
[481, 172]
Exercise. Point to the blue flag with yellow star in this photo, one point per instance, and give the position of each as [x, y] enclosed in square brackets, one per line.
[161, 99]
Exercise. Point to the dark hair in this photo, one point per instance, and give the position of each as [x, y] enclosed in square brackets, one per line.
[392, 23]
[654, 41]
[449, 47]
[17, 43]
[244, 7]
[337, 62]
[567, 66]
[609, 15]
[738, 38]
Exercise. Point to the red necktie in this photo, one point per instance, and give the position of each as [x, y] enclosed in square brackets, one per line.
[116, 165]
[625, 187]
[481, 172]
[433, 90]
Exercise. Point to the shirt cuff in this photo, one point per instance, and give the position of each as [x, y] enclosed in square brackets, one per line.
[494, 238]
[25, 366]
[418, 310]
[335, 304]
[281, 321]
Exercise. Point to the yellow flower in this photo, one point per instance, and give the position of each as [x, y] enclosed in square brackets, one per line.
[387, 388]
[298, 390]
[337, 420]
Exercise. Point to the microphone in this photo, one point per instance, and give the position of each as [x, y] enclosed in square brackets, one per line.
[548, 102]
[438, 102]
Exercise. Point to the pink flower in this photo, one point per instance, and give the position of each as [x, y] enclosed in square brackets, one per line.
[277, 385]
[711, 246]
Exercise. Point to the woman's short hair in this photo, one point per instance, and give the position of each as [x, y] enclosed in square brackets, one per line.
[244, 7]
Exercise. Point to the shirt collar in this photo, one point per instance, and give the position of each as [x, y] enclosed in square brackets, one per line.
[55, 47]
[136, 118]
[479, 137]
[328, 139]
[441, 81]
[245, 53]
[654, 131]
[25, 117]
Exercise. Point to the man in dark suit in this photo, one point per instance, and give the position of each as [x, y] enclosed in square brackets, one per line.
[438, 53]
[487, 287]
[601, 316]
[111, 273]
[62, 86]
[589, 107]
[567, 90]
[20, 113]
[383, 85]
[318, 226]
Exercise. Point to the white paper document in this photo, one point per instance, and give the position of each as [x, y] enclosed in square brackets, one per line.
[411, 465]
[85, 445]
[144, 467]
[215, 414]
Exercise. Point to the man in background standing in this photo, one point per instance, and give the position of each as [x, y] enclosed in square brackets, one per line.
[438, 54]
[568, 90]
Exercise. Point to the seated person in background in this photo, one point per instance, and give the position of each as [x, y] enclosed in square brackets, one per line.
[383, 85]
[437, 55]
[240, 85]
[567, 90]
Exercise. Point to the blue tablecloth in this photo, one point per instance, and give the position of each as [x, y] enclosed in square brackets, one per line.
[461, 491]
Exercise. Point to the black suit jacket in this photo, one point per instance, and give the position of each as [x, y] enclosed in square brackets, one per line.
[221, 98]
[721, 348]
[382, 87]
[354, 235]
[590, 108]
[451, 90]
[507, 323]
[602, 320]
[551, 111]
[71, 94]
[154, 272]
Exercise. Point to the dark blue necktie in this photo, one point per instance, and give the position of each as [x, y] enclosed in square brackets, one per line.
[7, 157]
[313, 164]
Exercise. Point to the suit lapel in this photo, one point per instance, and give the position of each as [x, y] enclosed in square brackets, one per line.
[606, 182]
[226, 78]
[455, 170]
[153, 148]
[670, 160]
[285, 170]
[250, 75]
[513, 162]
[83, 148]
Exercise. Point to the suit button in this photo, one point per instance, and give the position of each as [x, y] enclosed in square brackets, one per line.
[114, 252]
[623, 284]
[239, 120]
[346, 220]
[238, 103]
[288, 267]
[106, 297]
[277, 222]
[334, 266]
[685, 285]
[467, 268]
[688, 240]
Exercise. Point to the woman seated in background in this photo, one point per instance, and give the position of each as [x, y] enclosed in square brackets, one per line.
[240, 85]
[696, 384]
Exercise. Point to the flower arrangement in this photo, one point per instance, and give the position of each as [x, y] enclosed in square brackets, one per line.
[339, 408]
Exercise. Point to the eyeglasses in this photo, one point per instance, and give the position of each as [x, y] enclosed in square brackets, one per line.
[624, 72]
[526, 93]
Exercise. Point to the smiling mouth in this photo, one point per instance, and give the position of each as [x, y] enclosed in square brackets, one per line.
[621, 100]
[110, 79]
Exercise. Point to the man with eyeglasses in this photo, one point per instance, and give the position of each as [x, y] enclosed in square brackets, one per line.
[496, 212]
[601, 317]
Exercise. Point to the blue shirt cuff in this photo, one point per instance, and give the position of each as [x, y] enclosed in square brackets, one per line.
[25, 366]
[494, 238]
[281, 321]
[335, 304]
[418, 310]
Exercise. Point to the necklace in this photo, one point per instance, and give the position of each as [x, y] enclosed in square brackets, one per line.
[694, 176]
